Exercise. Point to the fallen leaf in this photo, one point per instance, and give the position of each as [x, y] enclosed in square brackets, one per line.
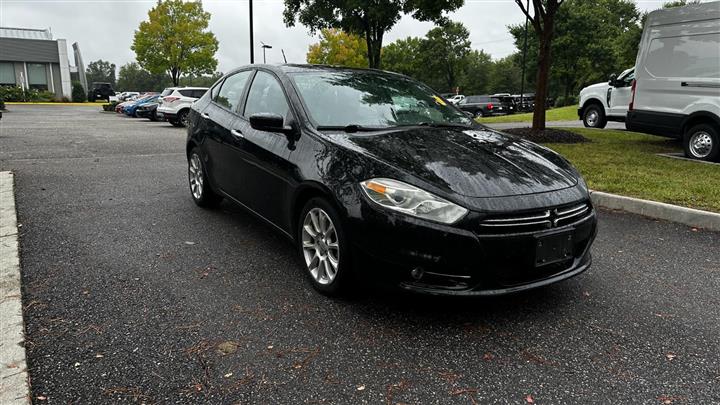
[187, 242]
[529, 399]
[77, 364]
[41, 398]
[228, 375]
[586, 293]
[270, 347]
[228, 347]
[99, 356]
[361, 388]
[670, 356]
[694, 229]
[488, 356]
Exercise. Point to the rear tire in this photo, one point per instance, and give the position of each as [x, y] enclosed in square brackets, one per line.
[200, 189]
[702, 142]
[323, 248]
[594, 117]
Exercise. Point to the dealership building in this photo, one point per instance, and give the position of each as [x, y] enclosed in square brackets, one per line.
[31, 58]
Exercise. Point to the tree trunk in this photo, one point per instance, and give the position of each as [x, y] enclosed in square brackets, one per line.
[543, 75]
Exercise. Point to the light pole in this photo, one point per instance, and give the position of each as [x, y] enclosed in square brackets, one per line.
[264, 47]
[252, 41]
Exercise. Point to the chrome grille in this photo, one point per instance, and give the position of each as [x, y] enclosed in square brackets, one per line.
[545, 219]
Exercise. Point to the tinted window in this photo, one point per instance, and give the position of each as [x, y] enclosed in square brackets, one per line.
[266, 96]
[198, 93]
[214, 91]
[187, 93]
[232, 89]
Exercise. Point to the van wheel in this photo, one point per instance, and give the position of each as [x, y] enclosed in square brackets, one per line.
[702, 142]
[594, 117]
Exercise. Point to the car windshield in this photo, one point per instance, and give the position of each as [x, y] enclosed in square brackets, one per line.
[373, 100]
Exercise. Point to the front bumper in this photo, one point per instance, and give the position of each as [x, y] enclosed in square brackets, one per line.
[461, 260]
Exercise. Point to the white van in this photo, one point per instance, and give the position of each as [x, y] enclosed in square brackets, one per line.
[676, 92]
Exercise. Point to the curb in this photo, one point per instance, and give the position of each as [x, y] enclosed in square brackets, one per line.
[14, 387]
[688, 216]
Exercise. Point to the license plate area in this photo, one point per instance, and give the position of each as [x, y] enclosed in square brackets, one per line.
[553, 248]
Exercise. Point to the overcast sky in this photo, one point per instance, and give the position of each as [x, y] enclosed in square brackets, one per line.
[104, 28]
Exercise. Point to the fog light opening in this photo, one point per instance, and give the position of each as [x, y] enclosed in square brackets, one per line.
[417, 273]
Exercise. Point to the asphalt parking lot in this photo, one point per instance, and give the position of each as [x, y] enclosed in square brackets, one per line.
[133, 294]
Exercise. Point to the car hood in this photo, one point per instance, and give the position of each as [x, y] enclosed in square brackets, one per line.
[475, 163]
[596, 86]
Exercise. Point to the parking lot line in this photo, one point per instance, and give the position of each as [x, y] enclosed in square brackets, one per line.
[14, 387]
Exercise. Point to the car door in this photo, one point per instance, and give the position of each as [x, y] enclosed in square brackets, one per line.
[267, 169]
[620, 95]
[221, 143]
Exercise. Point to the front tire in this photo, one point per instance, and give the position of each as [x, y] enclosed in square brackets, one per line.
[200, 189]
[594, 117]
[479, 114]
[702, 142]
[324, 247]
[181, 119]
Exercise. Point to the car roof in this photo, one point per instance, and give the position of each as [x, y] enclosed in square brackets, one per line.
[188, 88]
[302, 68]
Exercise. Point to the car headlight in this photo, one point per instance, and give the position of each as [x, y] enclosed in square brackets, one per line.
[410, 200]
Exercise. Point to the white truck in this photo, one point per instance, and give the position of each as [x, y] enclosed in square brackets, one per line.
[607, 101]
[676, 92]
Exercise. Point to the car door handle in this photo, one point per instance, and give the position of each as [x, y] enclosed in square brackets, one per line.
[205, 115]
[237, 134]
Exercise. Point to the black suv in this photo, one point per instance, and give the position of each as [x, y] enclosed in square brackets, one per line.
[101, 91]
[483, 106]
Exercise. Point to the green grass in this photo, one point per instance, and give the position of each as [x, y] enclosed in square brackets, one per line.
[626, 163]
[568, 113]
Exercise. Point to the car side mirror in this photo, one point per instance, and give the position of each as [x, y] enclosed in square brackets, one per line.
[611, 82]
[269, 122]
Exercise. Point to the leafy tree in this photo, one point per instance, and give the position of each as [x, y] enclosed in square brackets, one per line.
[132, 77]
[505, 75]
[593, 38]
[476, 75]
[175, 40]
[337, 47]
[680, 3]
[368, 18]
[78, 93]
[100, 71]
[444, 50]
[542, 19]
[404, 56]
[201, 81]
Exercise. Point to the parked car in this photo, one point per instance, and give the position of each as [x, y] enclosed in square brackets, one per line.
[456, 98]
[607, 101]
[148, 110]
[175, 103]
[126, 95]
[483, 106]
[131, 108]
[100, 91]
[508, 102]
[676, 92]
[396, 181]
[524, 102]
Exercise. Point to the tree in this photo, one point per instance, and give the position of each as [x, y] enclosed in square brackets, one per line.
[132, 77]
[679, 3]
[404, 56]
[444, 50]
[100, 71]
[542, 20]
[475, 77]
[368, 18]
[175, 40]
[337, 47]
[78, 93]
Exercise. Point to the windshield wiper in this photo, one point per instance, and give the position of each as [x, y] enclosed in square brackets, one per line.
[443, 125]
[351, 128]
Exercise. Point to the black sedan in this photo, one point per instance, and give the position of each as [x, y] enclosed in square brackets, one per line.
[372, 174]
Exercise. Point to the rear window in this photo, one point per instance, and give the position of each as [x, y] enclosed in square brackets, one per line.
[166, 92]
[685, 56]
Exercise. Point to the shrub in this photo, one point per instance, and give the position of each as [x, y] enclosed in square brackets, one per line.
[45, 96]
[2, 104]
[78, 93]
[12, 93]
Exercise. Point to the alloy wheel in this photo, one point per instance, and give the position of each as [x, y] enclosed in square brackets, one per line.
[195, 174]
[320, 245]
[592, 118]
[701, 144]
